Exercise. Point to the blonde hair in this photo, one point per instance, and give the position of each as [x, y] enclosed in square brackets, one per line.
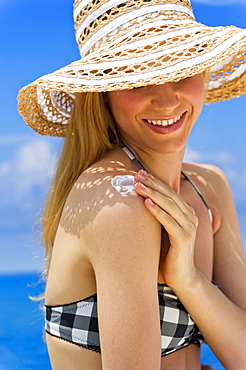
[90, 135]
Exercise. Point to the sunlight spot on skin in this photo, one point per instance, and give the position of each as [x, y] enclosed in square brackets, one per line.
[79, 186]
[202, 180]
[118, 163]
[98, 182]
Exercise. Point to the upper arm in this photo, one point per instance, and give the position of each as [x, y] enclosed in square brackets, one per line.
[124, 247]
[229, 256]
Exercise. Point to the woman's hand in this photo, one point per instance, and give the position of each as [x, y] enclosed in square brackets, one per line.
[179, 221]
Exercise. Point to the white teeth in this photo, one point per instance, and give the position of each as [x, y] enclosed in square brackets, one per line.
[166, 122]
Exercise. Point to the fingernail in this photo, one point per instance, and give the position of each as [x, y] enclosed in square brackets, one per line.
[150, 202]
[143, 175]
[142, 186]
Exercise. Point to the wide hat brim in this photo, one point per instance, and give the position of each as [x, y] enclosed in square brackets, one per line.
[158, 50]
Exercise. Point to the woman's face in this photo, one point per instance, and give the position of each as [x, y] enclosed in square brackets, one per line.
[158, 117]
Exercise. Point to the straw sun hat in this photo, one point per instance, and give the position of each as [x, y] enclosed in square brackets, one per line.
[130, 43]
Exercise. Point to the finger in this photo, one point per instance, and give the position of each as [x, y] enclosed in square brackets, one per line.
[178, 234]
[183, 217]
[159, 195]
[164, 189]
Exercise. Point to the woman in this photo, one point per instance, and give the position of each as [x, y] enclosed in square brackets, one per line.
[139, 244]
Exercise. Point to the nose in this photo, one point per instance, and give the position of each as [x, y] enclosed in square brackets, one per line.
[165, 97]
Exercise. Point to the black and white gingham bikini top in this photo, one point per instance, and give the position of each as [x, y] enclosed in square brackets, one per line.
[78, 322]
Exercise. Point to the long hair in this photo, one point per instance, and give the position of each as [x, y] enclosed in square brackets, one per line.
[90, 135]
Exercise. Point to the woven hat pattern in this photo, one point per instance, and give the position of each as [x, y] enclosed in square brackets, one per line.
[127, 44]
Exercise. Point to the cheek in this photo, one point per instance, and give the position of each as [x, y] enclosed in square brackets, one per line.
[198, 96]
[116, 100]
[197, 90]
[193, 92]
[122, 103]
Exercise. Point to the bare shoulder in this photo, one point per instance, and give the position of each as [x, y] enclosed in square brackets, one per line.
[206, 172]
[96, 191]
[104, 197]
[213, 184]
[210, 179]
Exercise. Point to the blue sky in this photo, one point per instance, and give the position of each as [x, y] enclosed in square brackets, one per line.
[37, 37]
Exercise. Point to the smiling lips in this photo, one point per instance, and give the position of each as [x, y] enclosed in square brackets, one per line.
[165, 122]
[166, 126]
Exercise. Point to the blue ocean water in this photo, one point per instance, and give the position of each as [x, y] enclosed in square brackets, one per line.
[21, 326]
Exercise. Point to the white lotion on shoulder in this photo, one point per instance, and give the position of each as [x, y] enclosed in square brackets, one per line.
[123, 184]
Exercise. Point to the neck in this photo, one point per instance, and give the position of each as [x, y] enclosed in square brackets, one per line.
[163, 166]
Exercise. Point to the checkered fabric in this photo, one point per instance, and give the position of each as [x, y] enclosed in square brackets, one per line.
[78, 323]
[75, 322]
[178, 330]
